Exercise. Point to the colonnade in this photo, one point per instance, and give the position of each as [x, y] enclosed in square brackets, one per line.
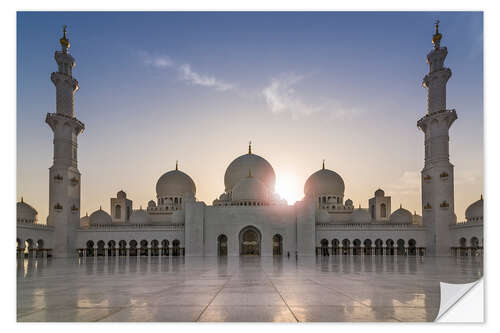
[131, 252]
[370, 251]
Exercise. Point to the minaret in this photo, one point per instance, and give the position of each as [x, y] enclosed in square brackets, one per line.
[64, 177]
[437, 174]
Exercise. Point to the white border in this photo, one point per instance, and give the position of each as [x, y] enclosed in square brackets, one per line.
[8, 136]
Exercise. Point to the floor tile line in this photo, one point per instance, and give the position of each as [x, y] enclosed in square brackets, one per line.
[213, 298]
[282, 298]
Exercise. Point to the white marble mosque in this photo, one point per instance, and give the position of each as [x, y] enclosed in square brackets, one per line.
[249, 218]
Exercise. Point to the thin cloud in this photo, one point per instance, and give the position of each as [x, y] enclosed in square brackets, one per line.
[187, 74]
[281, 96]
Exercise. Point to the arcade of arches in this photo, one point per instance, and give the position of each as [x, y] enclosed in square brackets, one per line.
[369, 248]
[250, 244]
[133, 248]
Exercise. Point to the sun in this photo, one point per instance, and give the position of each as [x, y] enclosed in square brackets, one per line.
[288, 187]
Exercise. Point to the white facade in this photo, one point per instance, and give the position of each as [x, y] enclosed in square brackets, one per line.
[249, 218]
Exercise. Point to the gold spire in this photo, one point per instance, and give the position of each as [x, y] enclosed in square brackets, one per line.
[436, 39]
[400, 205]
[22, 199]
[323, 164]
[100, 207]
[481, 197]
[64, 40]
[176, 165]
[249, 147]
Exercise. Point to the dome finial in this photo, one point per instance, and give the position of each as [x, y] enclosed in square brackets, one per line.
[249, 147]
[400, 205]
[100, 207]
[64, 40]
[359, 206]
[22, 199]
[323, 164]
[481, 197]
[436, 39]
[176, 165]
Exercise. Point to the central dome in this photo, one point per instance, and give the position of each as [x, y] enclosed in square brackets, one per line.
[250, 188]
[175, 183]
[238, 169]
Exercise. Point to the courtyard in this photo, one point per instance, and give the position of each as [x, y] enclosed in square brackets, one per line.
[237, 289]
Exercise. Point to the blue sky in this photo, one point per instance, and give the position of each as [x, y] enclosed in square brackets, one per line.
[163, 86]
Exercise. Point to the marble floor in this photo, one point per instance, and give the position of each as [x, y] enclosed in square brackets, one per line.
[235, 289]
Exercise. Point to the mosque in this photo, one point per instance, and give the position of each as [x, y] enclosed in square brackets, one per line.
[249, 218]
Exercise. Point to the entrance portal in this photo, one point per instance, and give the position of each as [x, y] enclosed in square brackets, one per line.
[222, 245]
[250, 241]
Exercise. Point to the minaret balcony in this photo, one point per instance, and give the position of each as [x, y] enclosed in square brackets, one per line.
[53, 119]
[447, 115]
[58, 77]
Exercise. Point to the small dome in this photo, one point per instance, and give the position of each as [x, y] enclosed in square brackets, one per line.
[379, 193]
[100, 217]
[323, 182]
[26, 213]
[121, 195]
[175, 183]
[140, 216]
[401, 216]
[250, 188]
[238, 169]
[151, 203]
[348, 202]
[360, 215]
[475, 210]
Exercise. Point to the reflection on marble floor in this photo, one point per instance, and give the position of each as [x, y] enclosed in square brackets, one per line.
[325, 289]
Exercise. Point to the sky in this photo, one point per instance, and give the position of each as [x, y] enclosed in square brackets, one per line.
[156, 87]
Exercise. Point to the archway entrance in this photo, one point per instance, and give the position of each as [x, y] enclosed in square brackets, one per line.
[250, 241]
[222, 245]
[277, 245]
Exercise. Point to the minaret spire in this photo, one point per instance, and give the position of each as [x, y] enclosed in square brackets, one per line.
[249, 147]
[64, 177]
[437, 175]
[64, 40]
[323, 164]
[436, 39]
[176, 165]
